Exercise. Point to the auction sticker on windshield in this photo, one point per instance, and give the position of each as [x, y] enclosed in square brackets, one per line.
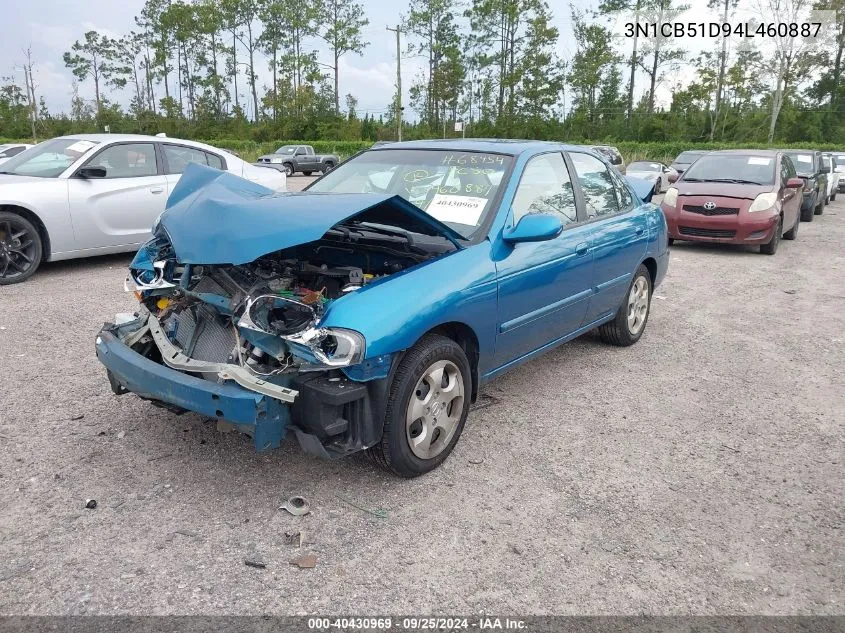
[757, 160]
[457, 209]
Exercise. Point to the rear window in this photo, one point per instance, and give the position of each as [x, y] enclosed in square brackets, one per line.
[735, 168]
[644, 166]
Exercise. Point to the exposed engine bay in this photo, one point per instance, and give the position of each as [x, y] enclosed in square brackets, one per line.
[263, 316]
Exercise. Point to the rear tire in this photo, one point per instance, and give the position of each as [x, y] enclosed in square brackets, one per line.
[628, 325]
[439, 411]
[20, 249]
[771, 247]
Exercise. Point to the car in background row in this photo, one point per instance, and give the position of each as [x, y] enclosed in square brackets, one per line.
[7, 150]
[685, 159]
[839, 173]
[829, 165]
[94, 194]
[293, 158]
[736, 197]
[613, 155]
[808, 165]
[654, 172]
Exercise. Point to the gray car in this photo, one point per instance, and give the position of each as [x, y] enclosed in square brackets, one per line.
[299, 158]
[95, 194]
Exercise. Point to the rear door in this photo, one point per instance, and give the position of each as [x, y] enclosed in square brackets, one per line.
[175, 158]
[544, 287]
[618, 236]
[118, 210]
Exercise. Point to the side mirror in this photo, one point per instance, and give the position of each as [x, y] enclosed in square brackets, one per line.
[673, 178]
[794, 183]
[538, 227]
[91, 172]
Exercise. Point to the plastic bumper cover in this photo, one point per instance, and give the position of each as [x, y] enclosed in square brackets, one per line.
[265, 419]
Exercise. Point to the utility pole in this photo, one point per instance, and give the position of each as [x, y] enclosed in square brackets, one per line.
[398, 31]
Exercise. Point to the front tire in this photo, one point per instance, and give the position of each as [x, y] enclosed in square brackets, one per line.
[771, 247]
[792, 233]
[307, 173]
[327, 167]
[426, 409]
[288, 169]
[819, 207]
[833, 195]
[628, 325]
[20, 249]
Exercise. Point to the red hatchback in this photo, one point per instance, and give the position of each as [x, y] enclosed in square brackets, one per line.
[736, 197]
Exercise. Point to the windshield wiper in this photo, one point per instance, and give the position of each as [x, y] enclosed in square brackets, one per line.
[738, 181]
[383, 230]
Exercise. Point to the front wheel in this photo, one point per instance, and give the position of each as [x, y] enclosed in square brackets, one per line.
[771, 247]
[288, 169]
[820, 207]
[792, 233]
[20, 249]
[628, 325]
[426, 409]
[833, 195]
[327, 167]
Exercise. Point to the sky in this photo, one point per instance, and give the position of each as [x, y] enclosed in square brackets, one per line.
[51, 26]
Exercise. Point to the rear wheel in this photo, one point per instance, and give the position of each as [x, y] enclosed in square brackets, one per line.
[771, 247]
[628, 325]
[426, 409]
[20, 249]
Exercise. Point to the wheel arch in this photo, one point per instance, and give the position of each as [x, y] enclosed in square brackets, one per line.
[466, 337]
[36, 221]
[651, 265]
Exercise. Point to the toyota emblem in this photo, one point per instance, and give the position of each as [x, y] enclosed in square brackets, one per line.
[709, 205]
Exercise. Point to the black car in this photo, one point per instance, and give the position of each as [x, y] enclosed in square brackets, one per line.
[808, 165]
[685, 159]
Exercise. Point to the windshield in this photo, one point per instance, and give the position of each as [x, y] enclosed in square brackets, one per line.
[803, 163]
[736, 168]
[643, 166]
[688, 157]
[286, 149]
[456, 188]
[48, 159]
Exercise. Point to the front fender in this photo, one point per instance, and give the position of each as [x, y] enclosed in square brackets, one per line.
[396, 312]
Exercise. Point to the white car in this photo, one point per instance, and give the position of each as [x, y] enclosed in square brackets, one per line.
[829, 167]
[655, 172]
[8, 150]
[95, 194]
[839, 173]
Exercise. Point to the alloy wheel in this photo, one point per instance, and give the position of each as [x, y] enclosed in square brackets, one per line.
[17, 250]
[637, 305]
[434, 409]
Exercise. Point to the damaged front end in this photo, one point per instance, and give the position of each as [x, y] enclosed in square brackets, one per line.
[242, 341]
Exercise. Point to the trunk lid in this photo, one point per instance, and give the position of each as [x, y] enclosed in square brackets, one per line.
[215, 217]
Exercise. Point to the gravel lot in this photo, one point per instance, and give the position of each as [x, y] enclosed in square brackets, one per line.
[698, 472]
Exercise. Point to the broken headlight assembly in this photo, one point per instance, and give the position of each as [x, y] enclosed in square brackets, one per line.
[295, 323]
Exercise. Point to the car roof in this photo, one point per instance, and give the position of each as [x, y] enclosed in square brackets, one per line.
[746, 152]
[123, 138]
[801, 151]
[513, 147]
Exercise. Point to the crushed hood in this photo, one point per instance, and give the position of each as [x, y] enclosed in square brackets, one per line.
[643, 188]
[215, 217]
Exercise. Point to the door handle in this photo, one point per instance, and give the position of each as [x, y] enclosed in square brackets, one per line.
[582, 248]
[640, 230]
[156, 189]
